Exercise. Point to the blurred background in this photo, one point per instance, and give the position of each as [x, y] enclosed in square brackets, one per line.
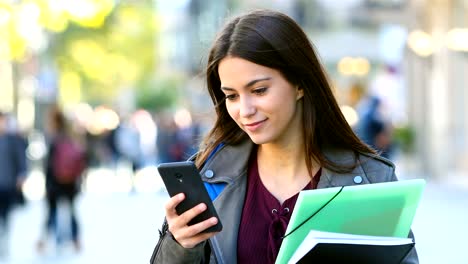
[127, 76]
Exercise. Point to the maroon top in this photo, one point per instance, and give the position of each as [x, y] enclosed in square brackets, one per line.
[264, 219]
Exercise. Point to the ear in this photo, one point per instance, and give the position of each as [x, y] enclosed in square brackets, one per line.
[299, 93]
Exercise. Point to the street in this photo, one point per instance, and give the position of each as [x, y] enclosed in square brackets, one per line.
[116, 228]
[440, 224]
[123, 228]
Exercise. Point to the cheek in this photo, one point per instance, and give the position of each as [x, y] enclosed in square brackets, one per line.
[285, 107]
[232, 110]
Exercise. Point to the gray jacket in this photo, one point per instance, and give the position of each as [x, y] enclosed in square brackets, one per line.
[229, 165]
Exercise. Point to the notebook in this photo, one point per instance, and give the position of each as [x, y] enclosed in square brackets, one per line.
[380, 209]
[327, 247]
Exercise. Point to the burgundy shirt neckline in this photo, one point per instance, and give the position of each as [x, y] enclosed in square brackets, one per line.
[264, 220]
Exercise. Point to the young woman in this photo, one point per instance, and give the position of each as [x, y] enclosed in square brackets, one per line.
[279, 130]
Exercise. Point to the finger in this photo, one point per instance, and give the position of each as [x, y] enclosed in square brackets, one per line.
[172, 204]
[189, 232]
[179, 225]
[200, 227]
[191, 213]
[195, 240]
[190, 236]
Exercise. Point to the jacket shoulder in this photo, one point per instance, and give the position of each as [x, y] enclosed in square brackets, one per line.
[377, 168]
[377, 158]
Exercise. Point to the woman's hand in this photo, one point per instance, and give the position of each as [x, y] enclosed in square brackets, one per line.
[187, 236]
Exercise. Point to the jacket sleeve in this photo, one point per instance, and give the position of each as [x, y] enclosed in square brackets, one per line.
[169, 251]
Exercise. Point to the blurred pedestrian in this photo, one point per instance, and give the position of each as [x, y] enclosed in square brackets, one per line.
[12, 174]
[64, 166]
[110, 141]
[166, 141]
[174, 143]
[373, 128]
[128, 143]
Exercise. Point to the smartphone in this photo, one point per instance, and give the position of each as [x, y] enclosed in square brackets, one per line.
[183, 177]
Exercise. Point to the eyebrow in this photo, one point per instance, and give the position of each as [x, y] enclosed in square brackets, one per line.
[249, 84]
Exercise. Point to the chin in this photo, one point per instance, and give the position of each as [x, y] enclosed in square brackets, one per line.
[259, 140]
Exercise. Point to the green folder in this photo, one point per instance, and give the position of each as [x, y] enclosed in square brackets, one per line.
[380, 209]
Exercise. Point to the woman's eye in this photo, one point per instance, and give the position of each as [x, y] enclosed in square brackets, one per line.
[231, 97]
[260, 90]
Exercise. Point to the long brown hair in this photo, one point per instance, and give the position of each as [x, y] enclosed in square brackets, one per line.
[274, 40]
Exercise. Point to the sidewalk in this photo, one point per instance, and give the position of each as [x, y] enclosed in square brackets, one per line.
[441, 224]
[117, 228]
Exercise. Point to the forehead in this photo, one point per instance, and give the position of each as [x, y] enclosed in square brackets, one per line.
[234, 70]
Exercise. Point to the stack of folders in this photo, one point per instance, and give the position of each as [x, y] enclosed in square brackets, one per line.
[328, 247]
[352, 224]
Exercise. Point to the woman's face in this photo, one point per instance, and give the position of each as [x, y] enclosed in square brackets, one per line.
[261, 101]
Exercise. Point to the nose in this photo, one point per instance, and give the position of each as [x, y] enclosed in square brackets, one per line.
[246, 107]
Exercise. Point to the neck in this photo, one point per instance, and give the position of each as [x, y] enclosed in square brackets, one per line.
[287, 160]
[283, 169]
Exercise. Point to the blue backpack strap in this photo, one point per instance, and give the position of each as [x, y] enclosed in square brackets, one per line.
[214, 189]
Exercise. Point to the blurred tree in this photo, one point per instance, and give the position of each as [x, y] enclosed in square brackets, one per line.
[159, 94]
[98, 46]
[405, 138]
[12, 44]
[104, 50]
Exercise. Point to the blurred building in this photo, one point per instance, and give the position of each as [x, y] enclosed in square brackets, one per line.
[355, 40]
[436, 66]
[420, 44]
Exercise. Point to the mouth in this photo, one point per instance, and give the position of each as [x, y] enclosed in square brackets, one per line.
[255, 125]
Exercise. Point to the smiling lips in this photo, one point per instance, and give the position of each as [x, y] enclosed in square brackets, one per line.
[254, 126]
